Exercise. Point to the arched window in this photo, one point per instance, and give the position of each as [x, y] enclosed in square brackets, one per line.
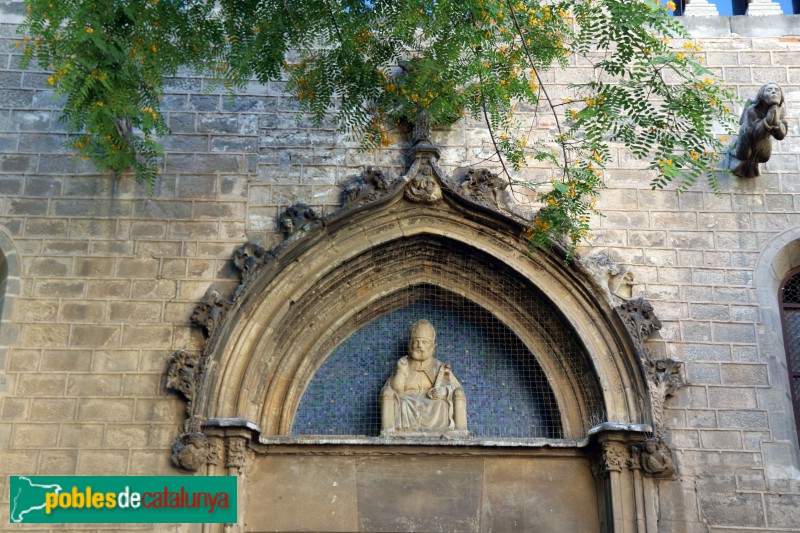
[789, 296]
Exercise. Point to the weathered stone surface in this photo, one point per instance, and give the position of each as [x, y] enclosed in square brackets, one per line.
[108, 279]
[325, 485]
[419, 494]
[524, 495]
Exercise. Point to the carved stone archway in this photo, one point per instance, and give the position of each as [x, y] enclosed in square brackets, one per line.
[332, 275]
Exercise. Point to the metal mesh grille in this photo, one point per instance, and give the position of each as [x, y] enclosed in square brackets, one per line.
[796, 387]
[792, 317]
[508, 393]
[791, 290]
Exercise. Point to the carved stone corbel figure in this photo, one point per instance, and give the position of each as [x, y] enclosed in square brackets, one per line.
[761, 120]
[657, 458]
[190, 451]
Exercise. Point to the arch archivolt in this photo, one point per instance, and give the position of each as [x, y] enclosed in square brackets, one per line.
[333, 276]
[315, 292]
[779, 257]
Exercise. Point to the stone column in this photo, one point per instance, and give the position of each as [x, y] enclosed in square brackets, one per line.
[700, 8]
[627, 498]
[236, 463]
[763, 7]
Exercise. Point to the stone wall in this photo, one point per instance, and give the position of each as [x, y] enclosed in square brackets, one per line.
[102, 278]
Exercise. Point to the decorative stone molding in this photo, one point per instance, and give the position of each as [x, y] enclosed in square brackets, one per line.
[665, 374]
[656, 458]
[615, 280]
[297, 217]
[367, 187]
[211, 311]
[183, 375]
[640, 321]
[423, 187]
[483, 186]
[190, 451]
[236, 453]
[248, 258]
[664, 379]
[256, 362]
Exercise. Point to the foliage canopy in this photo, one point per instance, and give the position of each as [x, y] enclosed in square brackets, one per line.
[380, 62]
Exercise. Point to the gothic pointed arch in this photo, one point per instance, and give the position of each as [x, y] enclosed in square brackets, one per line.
[393, 241]
[333, 275]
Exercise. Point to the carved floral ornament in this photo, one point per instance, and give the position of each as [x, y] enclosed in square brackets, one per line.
[471, 203]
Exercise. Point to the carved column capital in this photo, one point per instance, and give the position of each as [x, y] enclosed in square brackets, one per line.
[216, 451]
[236, 456]
[614, 456]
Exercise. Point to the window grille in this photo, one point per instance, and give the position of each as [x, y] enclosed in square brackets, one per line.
[790, 309]
[508, 394]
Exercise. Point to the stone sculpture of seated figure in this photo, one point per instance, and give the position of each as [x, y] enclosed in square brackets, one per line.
[422, 397]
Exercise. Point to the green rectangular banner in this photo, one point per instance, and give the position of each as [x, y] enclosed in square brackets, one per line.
[122, 499]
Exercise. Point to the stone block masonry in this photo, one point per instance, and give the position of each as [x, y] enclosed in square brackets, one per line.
[103, 278]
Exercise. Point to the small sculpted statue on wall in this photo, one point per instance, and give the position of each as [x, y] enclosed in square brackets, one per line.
[761, 120]
[657, 459]
[422, 397]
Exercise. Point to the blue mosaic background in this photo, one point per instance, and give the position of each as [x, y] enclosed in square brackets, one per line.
[507, 394]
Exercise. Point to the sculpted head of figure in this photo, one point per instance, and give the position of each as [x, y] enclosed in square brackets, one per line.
[769, 94]
[422, 341]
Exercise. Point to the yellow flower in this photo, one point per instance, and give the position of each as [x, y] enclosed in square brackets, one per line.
[89, 30]
[51, 81]
[681, 56]
[671, 6]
